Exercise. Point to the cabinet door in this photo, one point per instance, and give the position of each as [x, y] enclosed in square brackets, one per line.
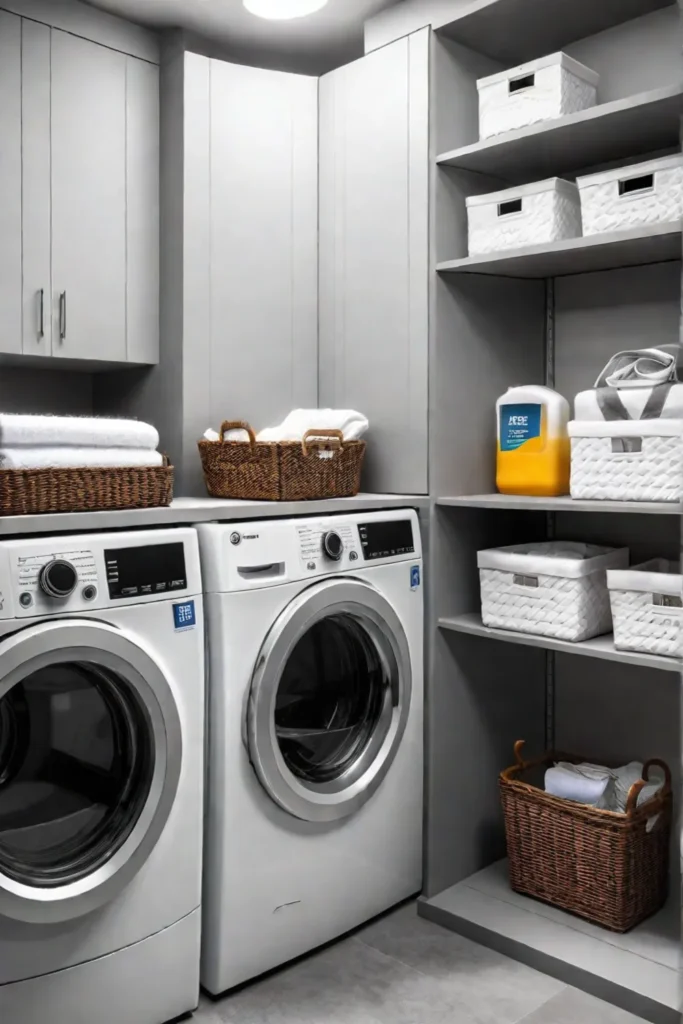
[10, 183]
[88, 199]
[37, 213]
[374, 255]
[263, 244]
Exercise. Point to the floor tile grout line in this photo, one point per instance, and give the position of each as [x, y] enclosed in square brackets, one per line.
[388, 956]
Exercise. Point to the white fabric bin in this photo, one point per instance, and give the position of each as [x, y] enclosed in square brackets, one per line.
[551, 588]
[535, 214]
[626, 460]
[541, 90]
[649, 193]
[647, 608]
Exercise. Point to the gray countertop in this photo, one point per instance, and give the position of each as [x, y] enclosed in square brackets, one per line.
[200, 510]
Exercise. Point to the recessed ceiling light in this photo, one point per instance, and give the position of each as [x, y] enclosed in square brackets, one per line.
[281, 10]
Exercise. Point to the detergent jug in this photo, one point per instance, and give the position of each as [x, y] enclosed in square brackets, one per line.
[533, 443]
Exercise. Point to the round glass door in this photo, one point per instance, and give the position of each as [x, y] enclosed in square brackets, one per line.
[85, 766]
[329, 700]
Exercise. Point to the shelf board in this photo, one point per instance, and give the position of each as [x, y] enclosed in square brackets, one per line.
[512, 31]
[600, 647]
[612, 131]
[563, 504]
[653, 243]
[637, 971]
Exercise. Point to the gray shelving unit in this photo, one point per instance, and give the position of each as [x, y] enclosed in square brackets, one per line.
[545, 315]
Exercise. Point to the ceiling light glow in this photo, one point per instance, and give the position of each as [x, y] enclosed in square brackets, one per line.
[282, 10]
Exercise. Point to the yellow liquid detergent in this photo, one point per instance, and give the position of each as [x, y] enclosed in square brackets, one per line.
[533, 444]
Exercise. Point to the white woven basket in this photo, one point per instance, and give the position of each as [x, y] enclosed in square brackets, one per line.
[537, 91]
[628, 197]
[554, 588]
[626, 460]
[647, 608]
[535, 214]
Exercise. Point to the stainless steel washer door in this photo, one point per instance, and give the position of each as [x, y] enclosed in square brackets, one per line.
[329, 700]
[90, 757]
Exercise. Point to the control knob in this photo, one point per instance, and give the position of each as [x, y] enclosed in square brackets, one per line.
[333, 545]
[58, 578]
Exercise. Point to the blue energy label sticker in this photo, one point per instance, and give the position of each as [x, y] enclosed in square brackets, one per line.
[415, 577]
[519, 424]
[184, 615]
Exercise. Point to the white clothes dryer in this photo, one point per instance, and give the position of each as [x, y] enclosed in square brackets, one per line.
[101, 777]
[315, 782]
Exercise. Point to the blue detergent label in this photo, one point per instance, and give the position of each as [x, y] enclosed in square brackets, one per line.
[519, 424]
[415, 577]
[184, 615]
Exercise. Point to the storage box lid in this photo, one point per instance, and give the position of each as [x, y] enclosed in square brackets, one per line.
[658, 576]
[566, 558]
[547, 185]
[567, 62]
[663, 163]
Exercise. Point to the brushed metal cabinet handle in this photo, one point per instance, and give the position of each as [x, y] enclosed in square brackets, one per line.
[41, 314]
[62, 316]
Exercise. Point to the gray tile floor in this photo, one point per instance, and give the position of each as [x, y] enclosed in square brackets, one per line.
[401, 969]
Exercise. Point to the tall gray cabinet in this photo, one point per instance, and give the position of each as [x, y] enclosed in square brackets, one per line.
[239, 255]
[374, 255]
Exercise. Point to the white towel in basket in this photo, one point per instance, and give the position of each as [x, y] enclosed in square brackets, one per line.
[353, 425]
[81, 431]
[71, 457]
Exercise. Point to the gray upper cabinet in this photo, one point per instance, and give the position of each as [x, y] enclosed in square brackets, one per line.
[263, 242]
[374, 255]
[79, 197]
[88, 199]
[10, 182]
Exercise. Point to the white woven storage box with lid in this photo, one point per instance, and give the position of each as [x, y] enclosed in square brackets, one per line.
[535, 214]
[649, 193]
[647, 608]
[552, 588]
[626, 460]
[541, 90]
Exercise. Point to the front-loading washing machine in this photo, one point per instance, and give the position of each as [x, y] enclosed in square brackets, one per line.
[315, 763]
[101, 777]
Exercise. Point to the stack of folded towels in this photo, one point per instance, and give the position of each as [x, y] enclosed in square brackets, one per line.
[353, 425]
[42, 442]
[604, 788]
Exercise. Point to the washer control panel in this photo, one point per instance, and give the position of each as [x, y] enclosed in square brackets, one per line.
[324, 546]
[83, 573]
[53, 577]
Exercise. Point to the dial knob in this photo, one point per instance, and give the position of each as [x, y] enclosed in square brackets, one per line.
[333, 545]
[58, 578]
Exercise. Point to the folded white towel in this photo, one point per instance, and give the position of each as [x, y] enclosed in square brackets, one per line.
[81, 431]
[353, 425]
[65, 457]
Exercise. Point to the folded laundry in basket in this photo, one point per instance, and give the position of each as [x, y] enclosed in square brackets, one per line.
[604, 788]
[353, 425]
[82, 431]
[71, 457]
[582, 783]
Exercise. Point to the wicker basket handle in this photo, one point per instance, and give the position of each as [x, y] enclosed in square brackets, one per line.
[508, 774]
[335, 435]
[238, 425]
[635, 790]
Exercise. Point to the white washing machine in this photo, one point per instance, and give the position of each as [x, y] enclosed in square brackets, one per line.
[314, 812]
[101, 777]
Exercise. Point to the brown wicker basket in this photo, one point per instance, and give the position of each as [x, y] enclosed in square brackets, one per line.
[602, 866]
[282, 470]
[25, 492]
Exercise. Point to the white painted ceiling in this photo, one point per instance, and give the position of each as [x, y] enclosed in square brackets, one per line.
[331, 35]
